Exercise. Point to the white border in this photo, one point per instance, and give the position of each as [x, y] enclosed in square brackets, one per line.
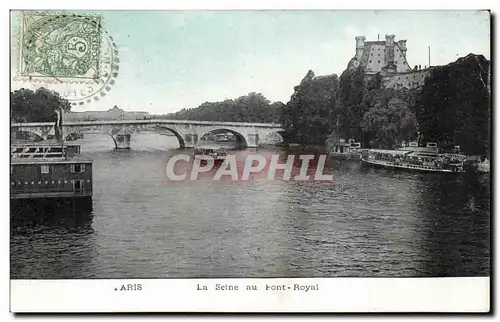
[323, 295]
[455, 284]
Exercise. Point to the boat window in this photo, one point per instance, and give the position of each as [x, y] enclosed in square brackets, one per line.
[77, 168]
[44, 168]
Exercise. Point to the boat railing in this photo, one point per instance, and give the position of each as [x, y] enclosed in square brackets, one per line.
[29, 152]
[422, 161]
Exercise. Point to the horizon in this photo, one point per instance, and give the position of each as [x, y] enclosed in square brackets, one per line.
[192, 57]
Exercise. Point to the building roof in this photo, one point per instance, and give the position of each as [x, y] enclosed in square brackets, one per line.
[391, 152]
[41, 161]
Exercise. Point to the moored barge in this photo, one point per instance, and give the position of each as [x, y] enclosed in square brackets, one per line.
[41, 171]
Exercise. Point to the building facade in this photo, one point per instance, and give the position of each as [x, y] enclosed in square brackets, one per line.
[112, 114]
[388, 58]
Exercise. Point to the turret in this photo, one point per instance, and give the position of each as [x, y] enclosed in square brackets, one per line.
[360, 46]
[402, 47]
[389, 40]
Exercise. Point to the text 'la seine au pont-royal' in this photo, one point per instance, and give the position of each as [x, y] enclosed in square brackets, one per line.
[253, 287]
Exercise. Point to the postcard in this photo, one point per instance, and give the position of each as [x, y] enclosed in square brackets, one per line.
[250, 161]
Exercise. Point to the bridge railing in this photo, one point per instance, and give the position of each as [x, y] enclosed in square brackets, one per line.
[153, 121]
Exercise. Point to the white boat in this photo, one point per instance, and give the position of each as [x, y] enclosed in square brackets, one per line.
[346, 150]
[215, 151]
[415, 160]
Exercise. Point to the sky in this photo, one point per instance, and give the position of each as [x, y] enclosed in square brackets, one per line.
[171, 60]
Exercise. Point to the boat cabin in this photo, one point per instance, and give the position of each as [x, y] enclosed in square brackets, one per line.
[217, 151]
[346, 147]
[49, 171]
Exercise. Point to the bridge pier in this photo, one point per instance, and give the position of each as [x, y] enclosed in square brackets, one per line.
[190, 140]
[122, 141]
[253, 140]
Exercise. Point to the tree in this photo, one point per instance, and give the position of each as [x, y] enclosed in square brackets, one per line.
[390, 120]
[254, 108]
[351, 107]
[308, 116]
[39, 106]
[454, 108]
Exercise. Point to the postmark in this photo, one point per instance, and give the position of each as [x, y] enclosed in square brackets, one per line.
[70, 53]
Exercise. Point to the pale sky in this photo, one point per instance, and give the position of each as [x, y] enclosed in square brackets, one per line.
[171, 60]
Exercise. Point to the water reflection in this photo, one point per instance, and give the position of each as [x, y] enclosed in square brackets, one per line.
[71, 214]
[51, 239]
[456, 234]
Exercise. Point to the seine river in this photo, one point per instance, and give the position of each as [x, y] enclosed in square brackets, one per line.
[365, 223]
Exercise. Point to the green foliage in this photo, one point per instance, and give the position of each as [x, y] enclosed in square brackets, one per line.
[39, 106]
[254, 108]
[308, 116]
[389, 120]
[453, 107]
[351, 103]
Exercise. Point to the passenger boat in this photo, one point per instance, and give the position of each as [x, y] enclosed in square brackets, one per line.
[346, 150]
[210, 150]
[426, 159]
[216, 146]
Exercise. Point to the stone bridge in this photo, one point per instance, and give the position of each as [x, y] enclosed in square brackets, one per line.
[187, 132]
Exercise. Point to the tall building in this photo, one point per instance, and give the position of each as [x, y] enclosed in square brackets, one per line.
[388, 58]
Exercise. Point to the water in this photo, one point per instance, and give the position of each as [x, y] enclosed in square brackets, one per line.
[366, 223]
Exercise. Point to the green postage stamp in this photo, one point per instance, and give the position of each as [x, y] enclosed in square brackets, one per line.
[59, 47]
[67, 52]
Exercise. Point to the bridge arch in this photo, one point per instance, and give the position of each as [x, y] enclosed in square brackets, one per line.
[114, 140]
[103, 133]
[240, 138]
[26, 135]
[179, 137]
[187, 132]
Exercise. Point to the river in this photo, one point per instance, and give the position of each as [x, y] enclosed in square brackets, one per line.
[365, 223]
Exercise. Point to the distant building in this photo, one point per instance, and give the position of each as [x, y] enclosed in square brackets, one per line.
[387, 58]
[112, 114]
